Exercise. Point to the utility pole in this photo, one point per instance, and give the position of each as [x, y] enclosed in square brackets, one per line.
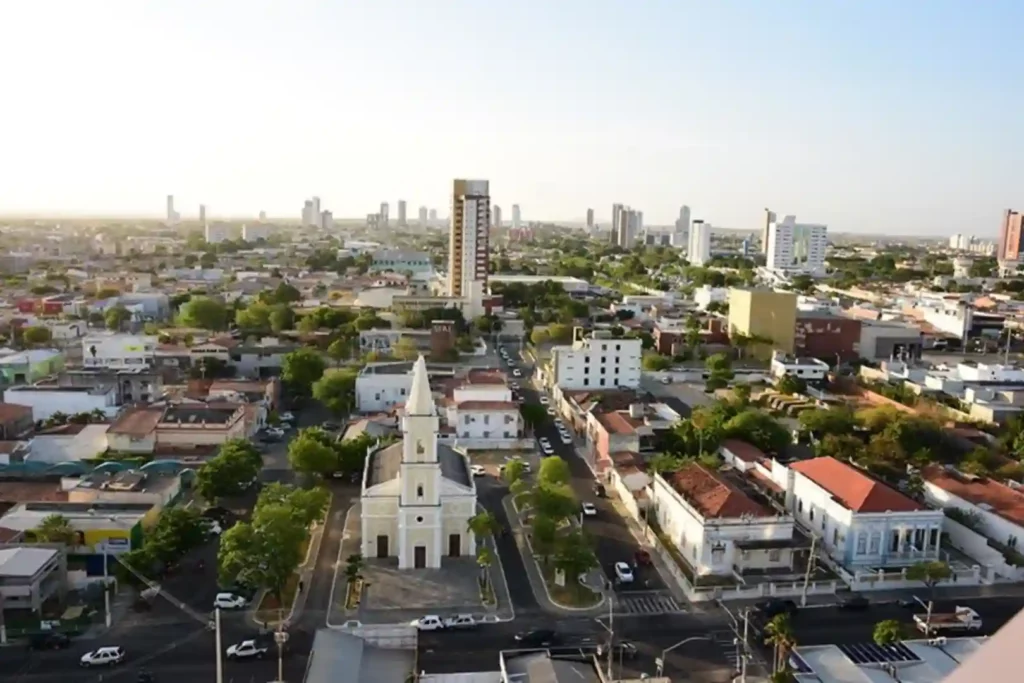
[280, 637]
[746, 654]
[106, 585]
[220, 654]
[611, 629]
[810, 568]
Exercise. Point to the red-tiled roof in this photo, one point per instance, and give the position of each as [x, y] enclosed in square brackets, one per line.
[743, 450]
[10, 412]
[488, 405]
[1004, 501]
[617, 422]
[714, 497]
[853, 488]
[137, 421]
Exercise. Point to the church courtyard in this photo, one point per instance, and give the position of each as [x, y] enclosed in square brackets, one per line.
[394, 596]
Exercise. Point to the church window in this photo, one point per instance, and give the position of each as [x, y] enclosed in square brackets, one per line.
[419, 520]
[487, 419]
[419, 491]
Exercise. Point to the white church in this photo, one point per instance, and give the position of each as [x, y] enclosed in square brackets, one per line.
[418, 495]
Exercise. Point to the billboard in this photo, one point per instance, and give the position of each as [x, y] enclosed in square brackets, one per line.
[102, 541]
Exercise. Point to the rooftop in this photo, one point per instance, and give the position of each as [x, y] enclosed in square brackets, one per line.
[384, 464]
[24, 562]
[618, 422]
[199, 414]
[914, 661]
[854, 489]
[83, 516]
[981, 491]
[136, 421]
[713, 496]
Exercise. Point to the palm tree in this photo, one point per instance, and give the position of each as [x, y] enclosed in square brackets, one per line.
[484, 560]
[354, 567]
[780, 636]
[55, 529]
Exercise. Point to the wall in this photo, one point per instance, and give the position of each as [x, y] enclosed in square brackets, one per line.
[132, 444]
[196, 435]
[992, 525]
[46, 403]
[976, 546]
[825, 337]
[387, 636]
[376, 393]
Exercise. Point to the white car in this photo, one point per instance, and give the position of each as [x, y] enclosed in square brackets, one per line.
[247, 649]
[460, 621]
[623, 572]
[589, 510]
[546, 449]
[551, 411]
[214, 529]
[517, 373]
[104, 656]
[566, 438]
[431, 622]
[287, 417]
[477, 470]
[544, 399]
[275, 431]
[229, 601]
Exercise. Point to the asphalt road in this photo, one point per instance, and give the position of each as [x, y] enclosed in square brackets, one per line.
[613, 541]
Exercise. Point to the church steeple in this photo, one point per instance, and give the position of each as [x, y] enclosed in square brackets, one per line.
[421, 402]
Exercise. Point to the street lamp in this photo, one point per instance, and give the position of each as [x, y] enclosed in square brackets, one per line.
[660, 661]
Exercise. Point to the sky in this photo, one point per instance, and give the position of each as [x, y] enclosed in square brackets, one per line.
[877, 116]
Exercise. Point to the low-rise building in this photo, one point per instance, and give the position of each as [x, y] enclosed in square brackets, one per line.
[481, 411]
[30, 576]
[720, 529]
[807, 369]
[600, 361]
[399, 261]
[996, 510]
[861, 522]
[46, 400]
[184, 426]
[828, 337]
[30, 366]
[118, 351]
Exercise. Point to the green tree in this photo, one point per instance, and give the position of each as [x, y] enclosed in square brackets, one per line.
[760, 429]
[484, 560]
[555, 501]
[265, 552]
[888, 632]
[741, 393]
[254, 317]
[208, 260]
[825, 421]
[533, 414]
[177, 531]
[543, 537]
[840, 446]
[539, 336]
[301, 368]
[116, 317]
[309, 505]
[205, 313]
[779, 634]
[405, 349]
[308, 455]
[560, 334]
[655, 362]
[282, 317]
[574, 555]
[484, 524]
[790, 384]
[227, 474]
[553, 470]
[336, 389]
[340, 350]
[55, 528]
[515, 470]
[930, 573]
[36, 336]
[352, 453]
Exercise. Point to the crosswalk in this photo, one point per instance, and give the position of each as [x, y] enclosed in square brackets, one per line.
[654, 602]
[725, 641]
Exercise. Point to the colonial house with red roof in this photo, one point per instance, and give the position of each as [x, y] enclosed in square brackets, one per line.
[860, 522]
[719, 528]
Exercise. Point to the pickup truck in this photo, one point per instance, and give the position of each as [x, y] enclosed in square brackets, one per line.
[962, 619]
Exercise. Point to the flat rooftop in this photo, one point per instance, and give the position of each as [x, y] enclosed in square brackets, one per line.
[199, 414]
[24, 562]
[92, 391]
[127, 480]
[83, 516]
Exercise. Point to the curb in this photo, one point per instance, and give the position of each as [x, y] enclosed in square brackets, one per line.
[533, 559]
[501, 568]
[334, 582]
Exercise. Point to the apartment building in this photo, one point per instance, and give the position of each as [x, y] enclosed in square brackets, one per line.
[797, 247]
[765, 314]
[600, 361]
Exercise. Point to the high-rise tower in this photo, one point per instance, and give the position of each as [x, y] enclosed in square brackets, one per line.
[469, 244]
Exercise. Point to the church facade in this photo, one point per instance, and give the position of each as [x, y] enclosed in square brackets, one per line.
[418, 495]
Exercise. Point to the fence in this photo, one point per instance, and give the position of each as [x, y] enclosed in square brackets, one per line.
[893, 580]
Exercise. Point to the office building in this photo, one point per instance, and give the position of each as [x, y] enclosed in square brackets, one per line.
[769, 218]
[384, 215]
[326, 220]
[496, 214]
[516, 218]
[766, 316]
[202, 213]
[590, 219]
[172, 214]
[311, 213]
[401, 213]
[433, 215]
[423, 217]
[683, 222]
[214, 233]
[1011, 236]
[638, 221]
[796, 247]
[469, 244]
[307, 213]
[698, 250]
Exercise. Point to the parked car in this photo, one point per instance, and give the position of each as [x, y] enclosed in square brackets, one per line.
[431, 622]
[775, 606]
[599, 490]
[623, 572]
[642, 558]
[104, 656]
[49, 641]
[461, 621]
[477, 470]
[331, 426]
[589, 510]
[247, 649]
[854, 603]
[544, 399]
[229, 601]
[287, 416]
[538, 637]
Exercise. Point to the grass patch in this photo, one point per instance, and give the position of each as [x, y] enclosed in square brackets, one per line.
[572, 594]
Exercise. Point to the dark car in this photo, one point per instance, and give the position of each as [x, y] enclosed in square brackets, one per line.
[774, 607]
[49, 641]
[599, 490]
[538, 637]
[854, 603]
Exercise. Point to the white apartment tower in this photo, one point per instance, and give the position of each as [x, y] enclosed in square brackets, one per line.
[384, 208]
[172, 215]
[769, 218]
[469, 244]
[698, 250]
[616, 212]
[590, 219]
[401, 213]
[597, 362]
[796, 246]
[202, 214]
[496, 215]
[423, 216]
[516, 218]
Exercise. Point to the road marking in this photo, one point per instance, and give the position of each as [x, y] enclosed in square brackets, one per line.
[648, 603]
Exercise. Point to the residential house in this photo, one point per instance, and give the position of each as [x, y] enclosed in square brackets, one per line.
[262, 358]
[481, 412]
[997, 509]
[610, 432]
[184, 426]
[861, 523]
[810, 370]
[720, 529]
[46, 400]
[30, 366]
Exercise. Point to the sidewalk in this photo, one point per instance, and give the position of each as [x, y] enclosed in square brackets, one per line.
[537, 583]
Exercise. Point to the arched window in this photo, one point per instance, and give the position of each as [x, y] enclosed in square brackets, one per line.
[419, 491]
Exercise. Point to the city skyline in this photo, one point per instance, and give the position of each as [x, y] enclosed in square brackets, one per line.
[886, 130]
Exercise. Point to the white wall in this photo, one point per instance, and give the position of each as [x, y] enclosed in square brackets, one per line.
[375, 393]
[992, 525]
[46, 403]
[569, 363]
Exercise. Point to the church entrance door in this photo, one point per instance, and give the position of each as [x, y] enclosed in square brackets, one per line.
[382, 547]
[420, 557]
[454, 545]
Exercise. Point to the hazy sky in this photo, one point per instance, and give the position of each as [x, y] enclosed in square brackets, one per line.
[884, 116]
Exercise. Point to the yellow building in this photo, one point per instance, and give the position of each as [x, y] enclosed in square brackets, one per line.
[766, 314]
